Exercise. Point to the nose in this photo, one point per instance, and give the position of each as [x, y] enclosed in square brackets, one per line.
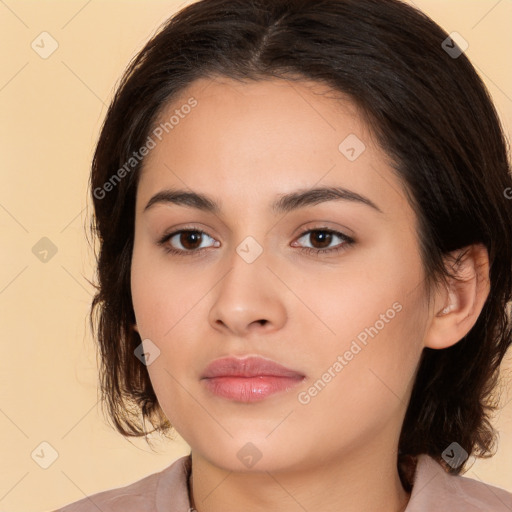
[248, 299]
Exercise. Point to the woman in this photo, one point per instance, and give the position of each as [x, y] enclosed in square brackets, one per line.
[305, 260]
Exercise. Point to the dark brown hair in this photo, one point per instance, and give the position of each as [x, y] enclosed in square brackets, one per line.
[430, 112]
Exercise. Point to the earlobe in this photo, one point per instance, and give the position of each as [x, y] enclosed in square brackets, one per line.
[458, 306]
[135, 328]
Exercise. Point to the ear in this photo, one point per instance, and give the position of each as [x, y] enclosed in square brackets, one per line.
[135, 328]
[457, 307]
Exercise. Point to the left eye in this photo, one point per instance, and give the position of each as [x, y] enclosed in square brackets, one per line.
[324, 237]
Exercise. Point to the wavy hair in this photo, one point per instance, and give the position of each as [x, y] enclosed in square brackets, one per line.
[431, 114]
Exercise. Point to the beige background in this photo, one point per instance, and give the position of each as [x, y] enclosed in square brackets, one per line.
[51, 112]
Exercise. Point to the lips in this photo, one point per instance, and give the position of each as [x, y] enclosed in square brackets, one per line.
[248, 380]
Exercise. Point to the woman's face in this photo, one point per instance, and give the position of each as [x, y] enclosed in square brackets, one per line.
[247, 282]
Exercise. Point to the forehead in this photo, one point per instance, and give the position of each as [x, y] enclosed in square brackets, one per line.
[221, 89]
[258, 115]
[256, 120]
[257, 138]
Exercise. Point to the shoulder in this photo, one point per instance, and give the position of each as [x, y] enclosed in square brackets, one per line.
[436, 490]
[145, 495]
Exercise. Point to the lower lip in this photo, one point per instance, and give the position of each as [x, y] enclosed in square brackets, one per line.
[250, 389]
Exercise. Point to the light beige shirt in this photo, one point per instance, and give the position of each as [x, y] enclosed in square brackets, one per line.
[433, 490]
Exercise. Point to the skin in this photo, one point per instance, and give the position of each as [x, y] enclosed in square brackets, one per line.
[245, 145]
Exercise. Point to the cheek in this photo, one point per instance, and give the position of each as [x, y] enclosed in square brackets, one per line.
[169, 311]
[165, 303]
[361, 299]
[162, 295]
[365, 360]
[385, 344]
[360, 389]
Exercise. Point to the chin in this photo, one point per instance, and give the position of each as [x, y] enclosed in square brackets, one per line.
[250, 455]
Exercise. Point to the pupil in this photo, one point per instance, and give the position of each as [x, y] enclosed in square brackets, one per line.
[194, 235]
[324, 237]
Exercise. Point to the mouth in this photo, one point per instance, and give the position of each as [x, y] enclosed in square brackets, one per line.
[248, 380]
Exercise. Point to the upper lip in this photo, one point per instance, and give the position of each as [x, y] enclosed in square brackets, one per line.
[247, 367]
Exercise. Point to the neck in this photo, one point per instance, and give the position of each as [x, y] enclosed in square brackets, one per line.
[351, 484]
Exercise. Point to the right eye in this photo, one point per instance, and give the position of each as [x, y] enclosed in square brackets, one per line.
[190, 240]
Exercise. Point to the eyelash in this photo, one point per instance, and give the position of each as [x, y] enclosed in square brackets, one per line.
[347, 242]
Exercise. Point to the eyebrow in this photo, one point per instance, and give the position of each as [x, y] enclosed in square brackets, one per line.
[284, 204]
